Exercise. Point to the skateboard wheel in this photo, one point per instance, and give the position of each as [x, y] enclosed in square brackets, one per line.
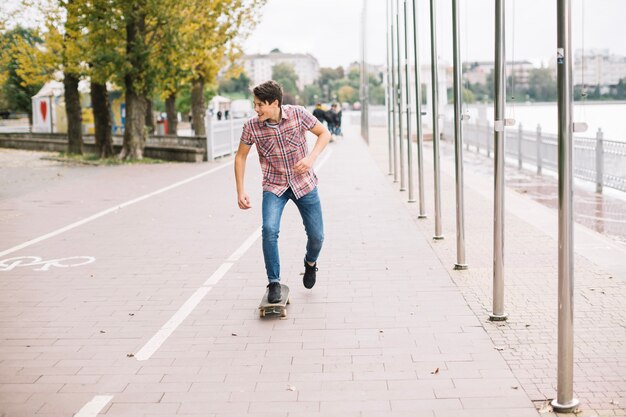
[283, 312]
[262, 313]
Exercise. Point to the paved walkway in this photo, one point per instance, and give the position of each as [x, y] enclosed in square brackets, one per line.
[139, 296]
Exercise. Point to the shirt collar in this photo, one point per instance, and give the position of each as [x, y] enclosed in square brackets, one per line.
[283, 116]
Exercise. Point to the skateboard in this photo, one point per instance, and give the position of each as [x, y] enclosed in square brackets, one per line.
[275, 308]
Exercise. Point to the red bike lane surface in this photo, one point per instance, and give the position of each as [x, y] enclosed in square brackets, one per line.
[77, 303]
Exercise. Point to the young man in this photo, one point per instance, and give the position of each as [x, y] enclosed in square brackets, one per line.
[279, 134]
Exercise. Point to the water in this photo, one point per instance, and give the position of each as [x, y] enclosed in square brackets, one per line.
[608, 116]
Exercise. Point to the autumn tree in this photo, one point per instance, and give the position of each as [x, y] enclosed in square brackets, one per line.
[16, 92]
[212, 35]
[104, 32]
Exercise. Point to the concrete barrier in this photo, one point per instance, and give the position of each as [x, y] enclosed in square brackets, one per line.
[168, 148]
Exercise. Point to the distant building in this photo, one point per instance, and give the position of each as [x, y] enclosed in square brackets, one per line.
[598, 67]
[477, 72]
[259, 66]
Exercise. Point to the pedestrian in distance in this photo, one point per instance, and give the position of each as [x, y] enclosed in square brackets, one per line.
[323, 117]
[335, 114]
[278, 131]
[219, 115]
[319, 113]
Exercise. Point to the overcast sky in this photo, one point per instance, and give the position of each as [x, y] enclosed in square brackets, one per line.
[330, 29]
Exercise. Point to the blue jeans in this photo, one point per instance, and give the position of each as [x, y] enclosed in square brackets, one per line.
[311, 212]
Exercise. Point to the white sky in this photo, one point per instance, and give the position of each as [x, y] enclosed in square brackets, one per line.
[330, 29]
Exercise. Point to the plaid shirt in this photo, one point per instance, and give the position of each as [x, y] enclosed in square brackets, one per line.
[280, 147]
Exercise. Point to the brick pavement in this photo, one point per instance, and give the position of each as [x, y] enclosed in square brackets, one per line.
[385, 332]
[389, 330]
[528, 338]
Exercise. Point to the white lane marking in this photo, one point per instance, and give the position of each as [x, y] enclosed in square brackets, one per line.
[244, 246]
[93, 407]
[183, 312]
[110, 210]
[218, 274]
[168, 328]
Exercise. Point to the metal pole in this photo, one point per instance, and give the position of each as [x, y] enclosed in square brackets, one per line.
[520, 138]
[365, 108]
[599, 161]
[407, 96]
[364, 76]
[565, 401]
[458, 140]
[418, 114]
[539, 144]
[399, 100]
[388, 102]
[498, 313]
[435, 99]
[393, 97]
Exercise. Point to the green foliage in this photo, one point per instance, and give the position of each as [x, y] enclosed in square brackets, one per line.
[285, 75]
[239, 85]
[541, 85]
[311, 94]
[15, 91]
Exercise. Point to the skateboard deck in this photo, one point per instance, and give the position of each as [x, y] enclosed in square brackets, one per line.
[275, 308]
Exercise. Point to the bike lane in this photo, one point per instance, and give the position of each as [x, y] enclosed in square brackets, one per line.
[79, 301]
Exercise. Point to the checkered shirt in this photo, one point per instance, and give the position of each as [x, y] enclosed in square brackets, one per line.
[280, 147]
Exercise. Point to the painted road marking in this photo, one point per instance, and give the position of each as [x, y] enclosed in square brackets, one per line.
[22, 261]
[111, 210]
[183, 312]
[93, 407]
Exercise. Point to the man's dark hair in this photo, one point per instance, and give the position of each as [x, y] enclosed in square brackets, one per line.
[268, 92]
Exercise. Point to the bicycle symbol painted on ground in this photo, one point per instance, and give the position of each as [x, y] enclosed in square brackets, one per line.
[43, 265]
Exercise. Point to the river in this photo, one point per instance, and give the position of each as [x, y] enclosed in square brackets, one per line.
[609, 116]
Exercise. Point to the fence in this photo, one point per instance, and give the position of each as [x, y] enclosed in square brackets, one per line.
[595, 159]
[223, 137]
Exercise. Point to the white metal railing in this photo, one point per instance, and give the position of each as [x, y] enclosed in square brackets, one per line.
[595, 159]
[222, 137]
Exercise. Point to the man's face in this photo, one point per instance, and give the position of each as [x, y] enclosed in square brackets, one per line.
[266, 110]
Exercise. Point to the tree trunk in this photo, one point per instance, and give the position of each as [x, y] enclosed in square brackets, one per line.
[197, 106]
[134, 126]
[172, 117]
[149, 116]
[102, 119]
[74, 116]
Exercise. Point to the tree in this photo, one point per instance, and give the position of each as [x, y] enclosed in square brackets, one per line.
[286, 76]
[72, 71]
[347, 94]
[16, 92]
[61, 51]
[236, 84]
[212, 36]
[542, 85]
[103, 27]
[311, 94]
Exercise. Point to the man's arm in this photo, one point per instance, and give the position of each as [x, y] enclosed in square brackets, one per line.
[240, 169]
[323, 137]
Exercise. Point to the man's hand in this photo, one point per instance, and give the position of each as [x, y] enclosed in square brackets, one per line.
[303, 165]
[244, 201]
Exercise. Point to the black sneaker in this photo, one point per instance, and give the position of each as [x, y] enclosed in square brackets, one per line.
[309, 275]
[274, 294]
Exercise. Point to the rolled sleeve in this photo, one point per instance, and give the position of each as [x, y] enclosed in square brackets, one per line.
[246, 135]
